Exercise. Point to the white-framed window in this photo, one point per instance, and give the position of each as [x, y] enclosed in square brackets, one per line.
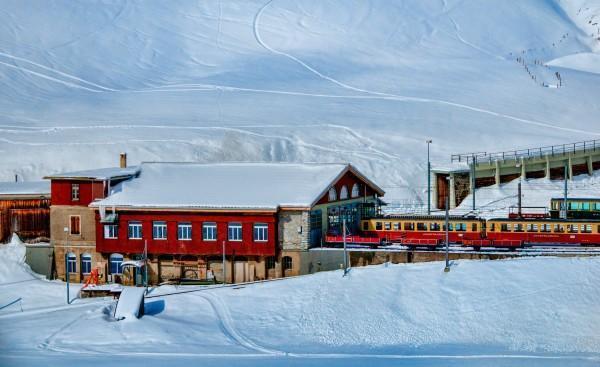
[261, 232]
[209, 231]
[86, 263]
[71, 262]
[344, 193]
[75, 224]
[184, 231]
[111, 231]
[355, 190]
[75, 192]
[114, 263]
[332, 194]
[234, 231]
[159, 230]
[135, 230]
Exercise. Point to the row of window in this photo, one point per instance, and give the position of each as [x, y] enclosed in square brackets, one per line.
[574, 205]
[420, 226]
[333, 196]
[115, 262]
[544, 228]
[184, 231]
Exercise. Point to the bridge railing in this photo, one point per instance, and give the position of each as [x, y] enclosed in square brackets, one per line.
[581, 146]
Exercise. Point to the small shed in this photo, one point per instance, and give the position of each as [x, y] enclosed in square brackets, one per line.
[25, 210]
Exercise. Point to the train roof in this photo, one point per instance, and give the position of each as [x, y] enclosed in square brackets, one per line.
[426, 217]
[551, 220]
[576, 199]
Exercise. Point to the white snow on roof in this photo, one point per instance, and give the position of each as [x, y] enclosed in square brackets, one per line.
[99, 174]
[225, 185]
[25, 188]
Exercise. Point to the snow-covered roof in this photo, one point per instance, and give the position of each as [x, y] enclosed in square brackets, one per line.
[98, 174]
[37, 188]
[227, 185]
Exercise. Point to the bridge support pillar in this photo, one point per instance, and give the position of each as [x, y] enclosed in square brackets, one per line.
[547, 173]
[590, 165]
[497, 173]
[570, 163]
[523, 169]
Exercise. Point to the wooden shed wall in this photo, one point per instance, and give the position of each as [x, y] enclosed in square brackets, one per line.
[29, 218]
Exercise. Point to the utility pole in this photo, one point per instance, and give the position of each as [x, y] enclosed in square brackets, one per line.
[566, 189]
[344, 241]
[146, 264]
[473, 181]
[519, 192]
[224, 273]
[428, 178]
[67, 276]
[447, 268]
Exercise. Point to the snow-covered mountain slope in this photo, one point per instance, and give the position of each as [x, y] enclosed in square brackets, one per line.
[283, 80]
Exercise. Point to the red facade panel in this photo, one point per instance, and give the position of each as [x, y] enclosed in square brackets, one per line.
[61, 192]
[348, 179]
[196, 246]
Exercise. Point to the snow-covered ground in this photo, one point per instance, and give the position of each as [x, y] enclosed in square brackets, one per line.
[281, 80]
[533, 311]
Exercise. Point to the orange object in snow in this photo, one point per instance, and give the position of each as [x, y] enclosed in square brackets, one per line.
[92, 278]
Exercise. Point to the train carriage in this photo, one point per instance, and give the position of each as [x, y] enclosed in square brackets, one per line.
[423, 231]
[555, 231]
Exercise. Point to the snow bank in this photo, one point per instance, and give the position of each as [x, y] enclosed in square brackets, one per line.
[12, 263]
[131, 303]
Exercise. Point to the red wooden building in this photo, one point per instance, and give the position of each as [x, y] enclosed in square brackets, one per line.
[25, 210]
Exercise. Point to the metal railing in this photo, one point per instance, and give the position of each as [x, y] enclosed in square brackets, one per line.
[552, 150]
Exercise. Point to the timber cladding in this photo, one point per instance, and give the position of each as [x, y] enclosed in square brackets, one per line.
[29, 218]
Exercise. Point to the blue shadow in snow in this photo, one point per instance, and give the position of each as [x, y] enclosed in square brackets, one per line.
[154, 307]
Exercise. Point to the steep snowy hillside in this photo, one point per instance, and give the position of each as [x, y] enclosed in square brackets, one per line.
[283, 80]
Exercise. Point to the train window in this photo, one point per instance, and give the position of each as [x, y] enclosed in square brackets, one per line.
[461, 227]
[572, 228]
[474, 227]
[421, 227]
[518, 227]
[450, 227]
[597, 206]
[559, 228]
[598, 229]
[505, 227]
[396, 226]
[365, 226]
[585, 206]
[545, 228]
[409, 226]
[532, 227]
[434, 226]
[586, 228]
[492, 227]
[387, 226]
[378, 226]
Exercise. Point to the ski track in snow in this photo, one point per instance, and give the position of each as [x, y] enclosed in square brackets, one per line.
[259, 39]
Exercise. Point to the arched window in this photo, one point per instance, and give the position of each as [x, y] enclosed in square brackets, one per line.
[86, 263]
[355, 190]
[332, 194]
[287, 263]
[71, 262]
[344, 193]
[115, 262]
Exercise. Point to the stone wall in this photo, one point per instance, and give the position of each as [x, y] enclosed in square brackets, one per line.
[293, 229]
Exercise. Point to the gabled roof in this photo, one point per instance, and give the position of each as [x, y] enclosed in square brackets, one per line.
[263, 186]
[27, 188]
[111, 173]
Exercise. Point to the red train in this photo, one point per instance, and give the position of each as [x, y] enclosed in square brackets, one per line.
[430, 231]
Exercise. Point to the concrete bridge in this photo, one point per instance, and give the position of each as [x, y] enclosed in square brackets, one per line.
[468, 171]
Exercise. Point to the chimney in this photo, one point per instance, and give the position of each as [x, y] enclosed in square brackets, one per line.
[123, 160]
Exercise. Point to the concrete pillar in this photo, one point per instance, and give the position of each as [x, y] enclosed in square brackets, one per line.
[547, 167]
[452, 191]
[497, 175]
[590, 165]
[523, 170]
[570, 162]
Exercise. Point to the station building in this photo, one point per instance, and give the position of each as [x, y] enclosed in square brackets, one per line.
[263, 216]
